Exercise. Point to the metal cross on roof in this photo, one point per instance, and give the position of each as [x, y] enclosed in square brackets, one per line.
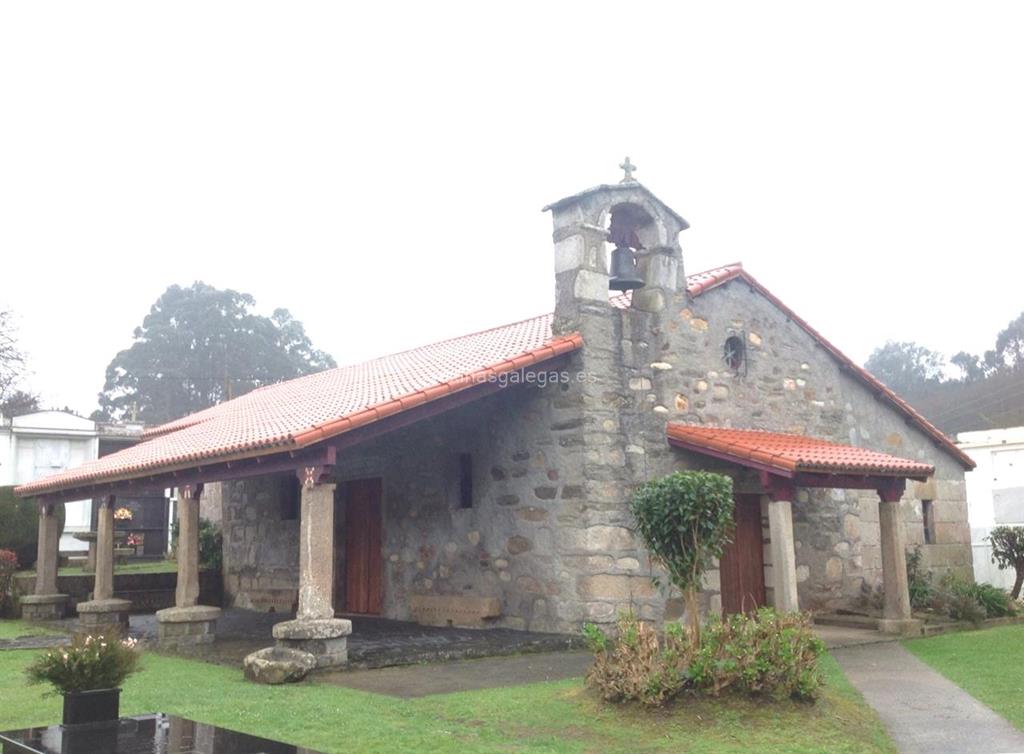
[628, 167]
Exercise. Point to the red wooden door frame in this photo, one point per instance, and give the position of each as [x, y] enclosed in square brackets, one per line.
[741, 567]
[364, 566]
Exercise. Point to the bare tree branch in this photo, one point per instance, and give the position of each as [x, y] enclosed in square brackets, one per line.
[12, 358]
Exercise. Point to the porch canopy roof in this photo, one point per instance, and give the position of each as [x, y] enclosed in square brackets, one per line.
[788, 460]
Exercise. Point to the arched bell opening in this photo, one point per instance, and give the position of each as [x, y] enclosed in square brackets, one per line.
[630, 229]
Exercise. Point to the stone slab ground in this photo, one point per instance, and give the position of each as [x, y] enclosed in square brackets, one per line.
[924, 712]
[413, 681]
[850, 636]
[374, 642]
[473, 675]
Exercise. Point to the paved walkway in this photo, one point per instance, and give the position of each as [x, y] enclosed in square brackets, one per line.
[463, 675]
[34, 642]
[922, 710]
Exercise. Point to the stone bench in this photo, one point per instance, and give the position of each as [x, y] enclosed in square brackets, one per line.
[454, 610]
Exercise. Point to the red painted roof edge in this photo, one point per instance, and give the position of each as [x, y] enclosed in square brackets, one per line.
[876, 385]
[555, 347]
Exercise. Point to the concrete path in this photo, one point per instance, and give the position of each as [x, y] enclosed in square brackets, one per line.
[849, 636]
[463, 675]
[922, 710]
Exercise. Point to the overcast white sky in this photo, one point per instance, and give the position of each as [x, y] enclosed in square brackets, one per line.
[379, 168]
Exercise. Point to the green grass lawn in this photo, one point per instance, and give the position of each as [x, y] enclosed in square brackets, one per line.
[986, 664]
[135, 566]
[544, 717]
[12, 629]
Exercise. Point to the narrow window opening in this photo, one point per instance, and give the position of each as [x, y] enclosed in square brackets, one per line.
[288, 496]
[928, 517]
[465, 480]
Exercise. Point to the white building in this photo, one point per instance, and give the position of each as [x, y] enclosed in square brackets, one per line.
[36, 445]
[995, 493]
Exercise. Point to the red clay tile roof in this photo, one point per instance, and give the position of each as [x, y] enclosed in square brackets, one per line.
[705, 281]
[300, 412]
[792, 454]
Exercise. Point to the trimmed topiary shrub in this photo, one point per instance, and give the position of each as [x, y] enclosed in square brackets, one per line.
[19, 526]
[685, 519]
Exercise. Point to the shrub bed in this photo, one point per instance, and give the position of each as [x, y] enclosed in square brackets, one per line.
[955, 597]
[764, 654]
[965, 600]
[19, 525]
[8, 567]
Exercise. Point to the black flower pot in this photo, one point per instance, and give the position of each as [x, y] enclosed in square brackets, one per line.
[96, 706]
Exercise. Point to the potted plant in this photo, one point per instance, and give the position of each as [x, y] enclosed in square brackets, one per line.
[136, 542]
[88, 673]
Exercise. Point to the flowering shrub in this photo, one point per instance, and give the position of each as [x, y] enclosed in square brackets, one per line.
[89, 662]
[8, 565]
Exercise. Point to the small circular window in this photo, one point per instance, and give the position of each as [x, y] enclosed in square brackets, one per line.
[733, 352]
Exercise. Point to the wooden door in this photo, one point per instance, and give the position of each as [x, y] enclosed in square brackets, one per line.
[363, 564]
[742, 563]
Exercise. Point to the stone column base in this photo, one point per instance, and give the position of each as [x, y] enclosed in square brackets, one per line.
[901, 626]
[43, 606]
[103, 616]
[187, 626]
[324, 638]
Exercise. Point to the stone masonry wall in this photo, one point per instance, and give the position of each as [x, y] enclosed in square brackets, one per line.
[505, 545]
[549, 532]
[261, 547]
[662, 359]
[789, 384]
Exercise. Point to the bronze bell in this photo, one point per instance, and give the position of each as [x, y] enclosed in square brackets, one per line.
[624, 276]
